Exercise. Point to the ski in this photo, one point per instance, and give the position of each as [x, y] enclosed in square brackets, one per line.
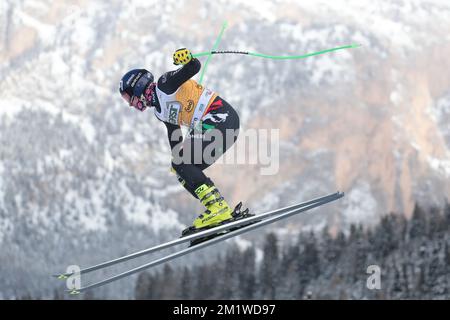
[207, 243]
[194, 236]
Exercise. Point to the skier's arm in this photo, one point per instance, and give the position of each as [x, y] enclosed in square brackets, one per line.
[172, 80]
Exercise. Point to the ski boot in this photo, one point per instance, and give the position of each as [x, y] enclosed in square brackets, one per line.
[237, 215]
[217, 209]
[217, 213]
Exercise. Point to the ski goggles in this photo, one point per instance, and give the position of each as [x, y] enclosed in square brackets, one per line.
[135, 102]
[138, 103]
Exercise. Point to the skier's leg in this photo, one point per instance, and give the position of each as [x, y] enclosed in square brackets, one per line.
[213, 135]
[189, 176]
[221, 120]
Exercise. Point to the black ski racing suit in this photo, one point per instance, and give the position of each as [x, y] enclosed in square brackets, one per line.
[220, 116]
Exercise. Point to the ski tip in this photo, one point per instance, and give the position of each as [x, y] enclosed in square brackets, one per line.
[61, 276]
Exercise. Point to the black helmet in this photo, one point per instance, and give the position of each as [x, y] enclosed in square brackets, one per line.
[134, 83]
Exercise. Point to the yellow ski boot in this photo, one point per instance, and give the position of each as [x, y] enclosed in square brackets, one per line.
[217, 209]
[217, 213]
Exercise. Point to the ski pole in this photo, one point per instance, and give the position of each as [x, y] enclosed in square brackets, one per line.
[209, 54]
[261, 55]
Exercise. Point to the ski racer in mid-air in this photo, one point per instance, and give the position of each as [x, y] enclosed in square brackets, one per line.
[178, 101]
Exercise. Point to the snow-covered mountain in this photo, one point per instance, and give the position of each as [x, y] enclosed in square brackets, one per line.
[84, 178]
